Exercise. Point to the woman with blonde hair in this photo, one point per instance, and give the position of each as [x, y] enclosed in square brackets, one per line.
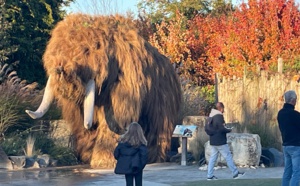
[131, 154]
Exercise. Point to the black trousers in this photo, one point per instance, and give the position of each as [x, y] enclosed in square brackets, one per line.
[138, 177]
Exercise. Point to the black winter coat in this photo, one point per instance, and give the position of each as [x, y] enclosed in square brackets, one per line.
[216, 129]
[289, 125]
[130, 160]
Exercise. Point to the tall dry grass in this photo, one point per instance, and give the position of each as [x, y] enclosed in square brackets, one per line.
[30, 150]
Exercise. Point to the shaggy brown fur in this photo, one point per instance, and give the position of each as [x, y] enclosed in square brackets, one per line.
[134, 82]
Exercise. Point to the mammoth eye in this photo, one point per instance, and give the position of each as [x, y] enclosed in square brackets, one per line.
[59, 70]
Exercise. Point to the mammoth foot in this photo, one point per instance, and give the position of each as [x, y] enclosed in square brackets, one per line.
[103, 159]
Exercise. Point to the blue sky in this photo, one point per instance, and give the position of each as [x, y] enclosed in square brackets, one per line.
[111, 6]
[103, 6]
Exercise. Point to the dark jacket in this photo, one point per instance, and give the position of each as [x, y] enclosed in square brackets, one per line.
[130, 160]
[215, 128]
[289, 124]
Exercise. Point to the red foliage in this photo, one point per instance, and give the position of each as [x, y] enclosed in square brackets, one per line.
[185, 52]
[251, 38]
[254, 36]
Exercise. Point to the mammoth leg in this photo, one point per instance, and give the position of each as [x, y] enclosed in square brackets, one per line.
[104, 144]
[158, 131]
[46, 102]
[89, 102]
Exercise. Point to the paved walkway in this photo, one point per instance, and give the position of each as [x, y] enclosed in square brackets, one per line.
[160, 174]
[173, 174]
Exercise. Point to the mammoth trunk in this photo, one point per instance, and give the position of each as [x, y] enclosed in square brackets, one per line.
[46, 102]
[94, 146]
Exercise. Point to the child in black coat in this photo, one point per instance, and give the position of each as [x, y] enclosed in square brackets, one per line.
[131, 154]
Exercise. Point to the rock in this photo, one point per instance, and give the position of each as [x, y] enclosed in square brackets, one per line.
[43, 160]
[220, 159]
[245, 148]
[278, 157]
[18, 162]
[272, 157]
[60, 132]
[36, 165]
[5, 162]
[29, 162]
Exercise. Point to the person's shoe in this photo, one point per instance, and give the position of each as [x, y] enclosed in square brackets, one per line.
[212, 178]
[238, 175]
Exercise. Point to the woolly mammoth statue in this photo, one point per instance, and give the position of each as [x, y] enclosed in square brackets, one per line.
[104, 75]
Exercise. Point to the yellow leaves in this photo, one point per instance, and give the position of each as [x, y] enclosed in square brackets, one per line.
[296, 77]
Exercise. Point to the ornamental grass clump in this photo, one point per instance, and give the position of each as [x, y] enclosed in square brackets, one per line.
[15, 93]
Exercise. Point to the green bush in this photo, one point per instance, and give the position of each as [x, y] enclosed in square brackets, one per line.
[63, 155]
[15, 145]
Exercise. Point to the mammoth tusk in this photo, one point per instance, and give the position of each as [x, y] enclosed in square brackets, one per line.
[46, 102]
[88, 105]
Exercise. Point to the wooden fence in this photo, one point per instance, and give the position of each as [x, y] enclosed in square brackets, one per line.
[255, 100]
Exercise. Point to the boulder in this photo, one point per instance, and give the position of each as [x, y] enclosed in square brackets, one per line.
[19, 162]
[43, 160]
[31, 163]
[60, 132]
[272, 157]
[5, 162]
[246, 149]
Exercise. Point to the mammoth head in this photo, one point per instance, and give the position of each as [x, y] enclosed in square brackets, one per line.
[88, 103]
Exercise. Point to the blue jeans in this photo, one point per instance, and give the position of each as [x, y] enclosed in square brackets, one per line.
[291, 174]
[225, 152]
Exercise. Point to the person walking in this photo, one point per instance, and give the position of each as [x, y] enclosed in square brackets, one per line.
[289, 125]
[217, 131]
[131, 155]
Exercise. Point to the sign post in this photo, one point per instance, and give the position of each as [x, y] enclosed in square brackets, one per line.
[183, 150]
[184, 132]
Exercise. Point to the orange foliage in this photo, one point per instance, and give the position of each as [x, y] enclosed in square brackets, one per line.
[174, 40]
[253, 37]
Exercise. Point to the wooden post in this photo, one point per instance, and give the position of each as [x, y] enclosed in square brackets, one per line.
[183, 150]
[216, 88]
[280, 64]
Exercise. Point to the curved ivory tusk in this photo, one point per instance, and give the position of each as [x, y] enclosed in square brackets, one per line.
[46, 102]
[88, 105]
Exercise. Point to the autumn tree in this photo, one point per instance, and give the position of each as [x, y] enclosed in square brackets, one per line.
[179, 39]
[172, 39]
[252, 37]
